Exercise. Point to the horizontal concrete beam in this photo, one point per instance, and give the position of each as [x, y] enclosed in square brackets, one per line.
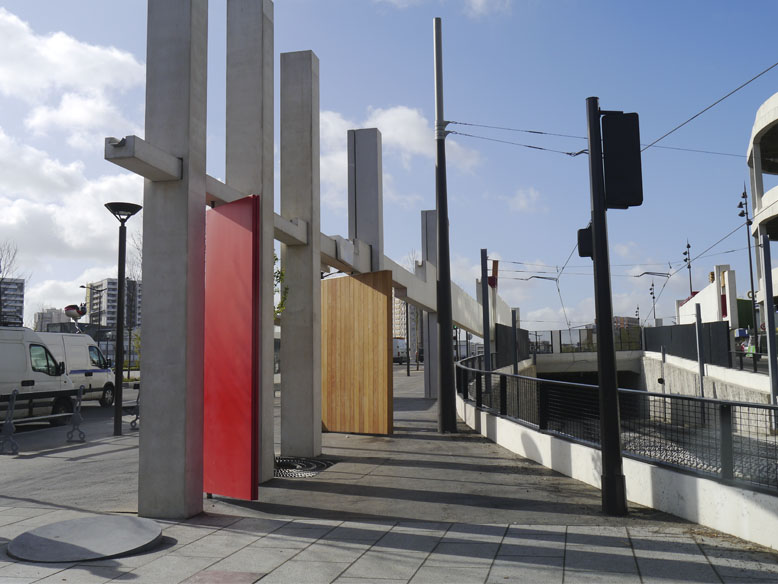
[290, 232]
[140, 157]
[467, 313]
[419, 291]
[219, 193]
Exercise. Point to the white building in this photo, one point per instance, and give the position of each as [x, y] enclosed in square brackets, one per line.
[49, 316]
[718, 300]
[12, 300]
[414, 324]
[101, 303]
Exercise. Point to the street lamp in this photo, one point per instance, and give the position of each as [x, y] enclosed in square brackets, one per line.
[743, 206]
[122, 211]
[688, 260]
[653, 299]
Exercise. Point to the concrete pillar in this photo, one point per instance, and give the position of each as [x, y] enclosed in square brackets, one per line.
[365, 192]
[429, 253]
[249, 169]
[301, 320]
[170, 478]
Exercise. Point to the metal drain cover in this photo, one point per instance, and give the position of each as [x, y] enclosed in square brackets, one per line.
[300, 468]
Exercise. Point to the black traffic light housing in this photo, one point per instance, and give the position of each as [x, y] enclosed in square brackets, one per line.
[621, 160]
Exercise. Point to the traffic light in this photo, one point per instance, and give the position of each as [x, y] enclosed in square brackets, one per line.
[621, 159]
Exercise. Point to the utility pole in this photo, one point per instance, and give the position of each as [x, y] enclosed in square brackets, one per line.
[614, 498]
[515, 343]
[407, 341]
[688, 259]
[769, 308]
[447, 416]
[700, 348]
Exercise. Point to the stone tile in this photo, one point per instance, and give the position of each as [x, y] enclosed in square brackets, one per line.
[422, 526]
[284, 541]
[223, 577]
[85, 574]
[256, 525]
[586, 577]
[600, 559]
[306, 572]
[17, 580]
[345, 580]
[741, 565]
[462, 554]
[417, 542]
[25, 511]
[186, 534]
[450, 575]
[352, 530]
[135, 561]
[30, 570]
[255, 559]
[672, 557]
[471, 532]
[521, 569]
[216, 545]
[166, 570]
[530, 540]
[212, 520]
[597, 535]
[394, 564]
[333, 551]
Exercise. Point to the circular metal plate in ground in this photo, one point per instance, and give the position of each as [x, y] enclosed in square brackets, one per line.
[86, 538]
[299, 468]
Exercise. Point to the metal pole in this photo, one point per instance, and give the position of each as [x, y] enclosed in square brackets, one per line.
[515, 344]
[769, 318]
[614, 499]
[407, 343]
[447, 416]
[119, 350]
[486, 335]
[751, 274]
[700, 354]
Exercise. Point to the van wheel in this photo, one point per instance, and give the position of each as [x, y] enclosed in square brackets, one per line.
[62, 405]
[107, 400]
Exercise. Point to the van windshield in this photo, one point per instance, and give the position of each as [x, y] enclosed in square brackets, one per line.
[97, 359]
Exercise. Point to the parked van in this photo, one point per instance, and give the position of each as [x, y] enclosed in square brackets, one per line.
[28, 365]
[398, 350]
[84, 364]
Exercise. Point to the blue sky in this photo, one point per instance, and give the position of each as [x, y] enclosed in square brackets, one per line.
[72, 73]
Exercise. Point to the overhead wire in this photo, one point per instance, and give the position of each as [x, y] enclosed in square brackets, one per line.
[571, 154]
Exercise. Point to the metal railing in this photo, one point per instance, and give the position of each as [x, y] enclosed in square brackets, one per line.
[732, 442]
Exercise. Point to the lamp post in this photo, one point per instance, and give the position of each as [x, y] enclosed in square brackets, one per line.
[122, 211]
[687, 258]
[743, 206]
[653, 300]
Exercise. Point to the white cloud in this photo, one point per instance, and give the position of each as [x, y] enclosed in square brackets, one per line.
[478, 8]
[32, 65]
[526, 201]
[86, 118]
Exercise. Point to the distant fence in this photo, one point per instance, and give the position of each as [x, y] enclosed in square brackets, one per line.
[729, 441]
[681, 341]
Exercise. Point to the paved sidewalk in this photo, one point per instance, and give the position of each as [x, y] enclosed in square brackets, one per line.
[413, 507]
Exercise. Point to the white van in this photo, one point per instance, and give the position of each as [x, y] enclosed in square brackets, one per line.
[27, 364]
[84, 364]
[398, 350]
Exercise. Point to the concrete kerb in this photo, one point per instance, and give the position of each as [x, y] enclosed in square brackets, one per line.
[749, 515]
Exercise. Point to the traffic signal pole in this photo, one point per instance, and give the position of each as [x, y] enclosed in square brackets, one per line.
[614, 499]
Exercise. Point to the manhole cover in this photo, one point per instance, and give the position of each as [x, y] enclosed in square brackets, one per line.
[300, 468]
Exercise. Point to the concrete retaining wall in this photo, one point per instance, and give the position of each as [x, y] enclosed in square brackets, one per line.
[739, 512]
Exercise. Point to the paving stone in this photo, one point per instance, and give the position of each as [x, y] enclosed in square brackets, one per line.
[85, 574]
[256, 559]
[398, 565]
[418, 542]
[526, 540]
[450, 575]
[521, 569]
[462, 554]
[600, 559]
[216, 545]
[166, 570]
[470, 532]
[301, 572]
[30, 570]
[333, 551]
[256, 525]
[586, 577]
[223, 577]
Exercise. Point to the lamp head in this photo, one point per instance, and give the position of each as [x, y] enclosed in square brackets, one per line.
[740, 205]
[123, 211]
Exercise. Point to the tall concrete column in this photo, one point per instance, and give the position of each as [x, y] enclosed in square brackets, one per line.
[170, 478]
[429, 253]
[301, 320]
[249, 169]
[366, 192]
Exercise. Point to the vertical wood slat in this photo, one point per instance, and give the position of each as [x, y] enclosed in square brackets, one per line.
[357, 354]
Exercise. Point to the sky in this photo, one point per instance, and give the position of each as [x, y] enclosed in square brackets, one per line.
[72, 73]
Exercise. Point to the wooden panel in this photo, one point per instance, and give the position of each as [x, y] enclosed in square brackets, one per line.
[356, 354]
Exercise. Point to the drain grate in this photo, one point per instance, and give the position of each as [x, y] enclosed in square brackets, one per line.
[300, 468]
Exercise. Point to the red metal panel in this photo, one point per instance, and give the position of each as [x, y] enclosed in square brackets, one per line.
[232, 349]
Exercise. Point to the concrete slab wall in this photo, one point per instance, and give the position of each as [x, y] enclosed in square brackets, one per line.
[739, 512]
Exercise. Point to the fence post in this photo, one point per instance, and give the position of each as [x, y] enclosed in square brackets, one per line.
[478, 389]
[503, 395]
[727, 456]
[542, 397]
